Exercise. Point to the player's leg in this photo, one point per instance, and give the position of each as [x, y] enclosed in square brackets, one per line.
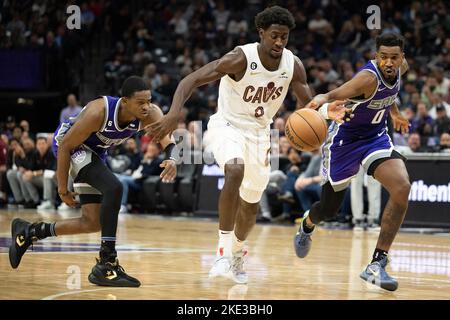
[228, 208]
[24, 232]
[392, 174]
[357, 202]
[254, 182]
[326, 208]
[107, 271]
[228, 150]
[245, 221]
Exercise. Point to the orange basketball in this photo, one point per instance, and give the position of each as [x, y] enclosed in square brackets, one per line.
[306, 129]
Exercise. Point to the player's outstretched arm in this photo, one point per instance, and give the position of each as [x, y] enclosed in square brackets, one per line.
[232, 63]
[90, 120]
[362, 85]
[302, 92]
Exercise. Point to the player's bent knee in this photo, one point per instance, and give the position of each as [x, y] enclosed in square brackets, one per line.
[114, 189]
[401, 192]
[250, 196]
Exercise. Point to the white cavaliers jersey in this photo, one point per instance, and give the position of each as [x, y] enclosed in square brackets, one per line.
[253, 101]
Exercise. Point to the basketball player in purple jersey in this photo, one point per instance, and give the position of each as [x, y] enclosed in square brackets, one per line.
[364, 141]
[80, 145]
[254, 80]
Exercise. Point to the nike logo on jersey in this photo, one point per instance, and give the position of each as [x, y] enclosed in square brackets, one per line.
[380, 134]
[382, 89]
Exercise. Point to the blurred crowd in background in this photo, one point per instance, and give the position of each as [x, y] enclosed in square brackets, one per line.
[163, 41]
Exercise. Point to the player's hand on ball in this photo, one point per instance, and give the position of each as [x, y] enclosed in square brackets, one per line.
[163, 127]
[338, 112]
[400, 123]
[170, 170]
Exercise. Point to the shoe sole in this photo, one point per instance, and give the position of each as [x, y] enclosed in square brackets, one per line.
[94, 280]
[12, 248]
[228, 275]
[386, 286]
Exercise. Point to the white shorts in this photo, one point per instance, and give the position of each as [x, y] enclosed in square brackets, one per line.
[252, 146]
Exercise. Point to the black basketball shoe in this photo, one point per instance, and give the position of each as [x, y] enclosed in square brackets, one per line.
[111, 274]
[22, 238]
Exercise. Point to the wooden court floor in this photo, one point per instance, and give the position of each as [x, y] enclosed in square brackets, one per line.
[172, 257]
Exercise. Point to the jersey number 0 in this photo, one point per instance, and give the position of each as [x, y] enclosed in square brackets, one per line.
[259, 112]
[378, 116]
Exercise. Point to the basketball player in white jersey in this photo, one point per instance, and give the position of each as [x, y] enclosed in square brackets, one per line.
[255, 79]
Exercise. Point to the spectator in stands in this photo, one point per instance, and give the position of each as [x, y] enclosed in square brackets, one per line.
[414, 143]
[17, 133]
[149, 166]
[357, 201]
[424, 124]
[287, 192]
[72, 109]
[307, 186]
[124, 167]
[285, 146]
[442, 82]
[141, 58]
[151, 76]
[16, 165]
[3, 162]
[442, 122]
[34, 177]
[10, 125]
[279, 124]
[319, 25]
[445, 142]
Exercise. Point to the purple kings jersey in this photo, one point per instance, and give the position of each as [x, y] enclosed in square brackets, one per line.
[110, 133]
[363, 139]
[370, 115]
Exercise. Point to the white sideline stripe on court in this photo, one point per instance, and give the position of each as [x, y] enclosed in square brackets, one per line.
[67, 293]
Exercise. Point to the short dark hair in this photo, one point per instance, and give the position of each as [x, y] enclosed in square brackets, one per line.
[133, 84]
[274, 15]
[390, 40]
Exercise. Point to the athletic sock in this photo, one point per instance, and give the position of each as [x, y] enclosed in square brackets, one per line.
[305, 228]
[225, 243]
[237, 244]
[379, 255]
[43, 230]
[108, 249]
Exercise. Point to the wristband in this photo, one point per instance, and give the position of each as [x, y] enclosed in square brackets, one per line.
[169, 152]
[323, 110]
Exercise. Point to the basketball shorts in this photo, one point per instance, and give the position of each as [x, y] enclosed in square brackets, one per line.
[79, 158]
[252, 146]
[342, 157]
